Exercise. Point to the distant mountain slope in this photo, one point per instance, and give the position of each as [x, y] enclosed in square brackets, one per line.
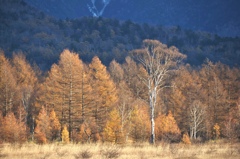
[216, 16]
[42, 38]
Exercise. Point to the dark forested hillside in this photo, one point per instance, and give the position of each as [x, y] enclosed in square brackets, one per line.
[41, 38]
[217, 16]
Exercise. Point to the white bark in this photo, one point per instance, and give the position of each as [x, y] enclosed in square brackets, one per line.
[158, 60]
[196, 118]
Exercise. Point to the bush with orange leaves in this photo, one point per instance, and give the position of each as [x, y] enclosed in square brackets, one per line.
[186, 139]
[12, 130]
[167, 128]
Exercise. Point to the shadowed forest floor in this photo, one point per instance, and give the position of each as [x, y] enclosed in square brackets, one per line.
[104, 151]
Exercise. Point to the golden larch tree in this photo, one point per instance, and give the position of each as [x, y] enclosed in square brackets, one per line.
[104, 90]
[8, 87]
[139, 123]
[55, 126]
[112, 131]
[13, 130]
[167, 128]
[42, 132]
[63, 90]
[27, 83]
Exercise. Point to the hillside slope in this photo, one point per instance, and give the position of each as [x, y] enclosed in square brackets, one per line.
[216, 16]
[42, 38]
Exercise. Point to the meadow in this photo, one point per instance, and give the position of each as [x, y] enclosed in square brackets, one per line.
[131, 151]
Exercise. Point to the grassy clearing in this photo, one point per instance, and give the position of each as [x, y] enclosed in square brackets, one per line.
[134, 151]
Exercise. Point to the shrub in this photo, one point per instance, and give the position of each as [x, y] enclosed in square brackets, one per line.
[83, 154]
[186, 139]
[111, 152]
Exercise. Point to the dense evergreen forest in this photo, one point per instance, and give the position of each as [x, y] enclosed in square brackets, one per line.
[75, 80]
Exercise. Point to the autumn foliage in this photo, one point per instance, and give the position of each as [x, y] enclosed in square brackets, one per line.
[186, 139]
[65, 135]
[79, 102]
[112, 131]
[47, 127]
[12, 130]
[55, 126]
[167, 128]
[42, 130]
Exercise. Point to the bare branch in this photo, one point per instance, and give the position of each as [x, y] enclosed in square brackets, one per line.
[158, 61]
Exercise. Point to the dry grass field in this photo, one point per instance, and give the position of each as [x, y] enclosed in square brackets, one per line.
[134, 151]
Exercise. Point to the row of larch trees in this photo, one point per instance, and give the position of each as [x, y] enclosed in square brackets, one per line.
[18, 87]
[89, 102]
[81, 95]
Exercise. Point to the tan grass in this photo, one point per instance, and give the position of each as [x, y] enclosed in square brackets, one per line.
[133, 151]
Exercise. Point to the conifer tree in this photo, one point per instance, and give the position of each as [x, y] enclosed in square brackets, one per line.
[116, 72]
[167, 128]
[216, 96]
[140, 125]
[43, 130]
[63, 90]
[54, 125]
[131, 77]
[125, 95]
[112, 131]
[27, 83]
[65, 135]
[13, 130]
[39, 135]
[86, 95]
[8, 87]
[105, 94]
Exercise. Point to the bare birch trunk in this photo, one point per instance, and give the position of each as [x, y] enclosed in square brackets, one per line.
[152, 103]
[158, 60]
[152, 139]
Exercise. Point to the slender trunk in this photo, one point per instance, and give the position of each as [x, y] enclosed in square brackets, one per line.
[152, 106]
[6, 100]
[70, 112]
[83, 113]
[195, 124]
[152, 139]
[195, 131]
[191, 132]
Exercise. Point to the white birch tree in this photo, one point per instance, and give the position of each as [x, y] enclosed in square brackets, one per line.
[159, 61]
[197, 117]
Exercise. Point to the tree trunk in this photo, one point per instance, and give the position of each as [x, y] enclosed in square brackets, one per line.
[152, 139]
[152, 105]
